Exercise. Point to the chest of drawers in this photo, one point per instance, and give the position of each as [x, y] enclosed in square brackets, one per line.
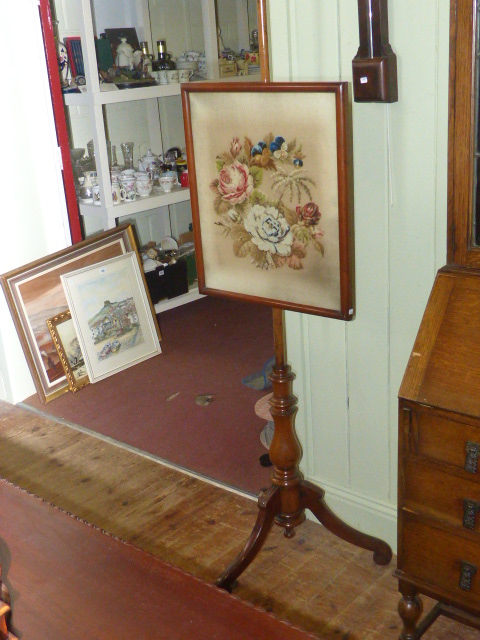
[439, 459]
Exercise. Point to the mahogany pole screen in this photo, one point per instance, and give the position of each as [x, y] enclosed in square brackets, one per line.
[271, 194]
[375, 65]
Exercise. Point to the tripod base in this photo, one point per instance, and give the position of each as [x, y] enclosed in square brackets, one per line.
[285, 502]
[310, 497]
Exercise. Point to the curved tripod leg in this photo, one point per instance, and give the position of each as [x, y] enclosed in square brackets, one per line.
[269, 505]
[314, 500]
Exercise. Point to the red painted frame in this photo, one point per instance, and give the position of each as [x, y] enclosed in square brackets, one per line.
[60, 120]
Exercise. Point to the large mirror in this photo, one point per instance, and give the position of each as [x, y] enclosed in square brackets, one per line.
[200, 405]
[237, 25]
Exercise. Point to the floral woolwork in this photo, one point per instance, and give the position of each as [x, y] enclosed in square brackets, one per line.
[275, 230]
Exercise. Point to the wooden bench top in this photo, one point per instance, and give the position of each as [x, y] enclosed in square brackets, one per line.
[69, 580]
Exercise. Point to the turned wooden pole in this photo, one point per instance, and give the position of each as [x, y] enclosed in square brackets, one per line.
[285, 450]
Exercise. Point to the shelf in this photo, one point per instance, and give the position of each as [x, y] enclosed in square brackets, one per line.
[116, 96]
[177, 194]
[191, 296]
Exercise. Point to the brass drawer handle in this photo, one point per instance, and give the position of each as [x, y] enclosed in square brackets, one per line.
[467, 571]
[470, 510]
[472, 449]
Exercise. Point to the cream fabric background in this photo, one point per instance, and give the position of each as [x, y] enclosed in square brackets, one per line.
[310, 119]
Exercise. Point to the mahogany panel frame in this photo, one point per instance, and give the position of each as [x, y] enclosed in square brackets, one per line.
[205, 167]
[461, 133]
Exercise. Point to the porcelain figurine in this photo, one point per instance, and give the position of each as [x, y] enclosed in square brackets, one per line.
[124, 54]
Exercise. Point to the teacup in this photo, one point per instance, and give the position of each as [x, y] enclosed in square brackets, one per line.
[170, 174]
[167, 182]
[172, 76]
[143, 187]
[127, 188]
[162, 76]
[184, 75]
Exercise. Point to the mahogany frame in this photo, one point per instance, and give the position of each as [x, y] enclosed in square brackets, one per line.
[461, 134]
[199, 180]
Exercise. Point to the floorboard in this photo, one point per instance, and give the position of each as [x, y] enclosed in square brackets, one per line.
[314, 580]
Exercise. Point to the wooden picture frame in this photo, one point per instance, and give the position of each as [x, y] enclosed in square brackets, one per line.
[271, 193]
[112, 315]
[66, 342]
[34, 293]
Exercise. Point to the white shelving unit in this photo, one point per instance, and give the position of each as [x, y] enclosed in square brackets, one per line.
[184, 23]
[166, 305]
[97, 96]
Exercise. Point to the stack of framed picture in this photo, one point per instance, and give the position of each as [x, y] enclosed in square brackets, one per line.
[83, 313]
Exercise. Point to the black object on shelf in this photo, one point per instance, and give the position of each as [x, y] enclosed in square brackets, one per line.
[167, 281]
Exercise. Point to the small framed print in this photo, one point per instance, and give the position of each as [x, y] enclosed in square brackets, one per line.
[271, 193]
[112, 315]
[66, 342]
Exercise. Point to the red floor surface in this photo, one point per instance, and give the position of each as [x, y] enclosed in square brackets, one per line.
[208, 347]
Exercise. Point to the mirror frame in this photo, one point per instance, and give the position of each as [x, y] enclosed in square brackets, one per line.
[461, 133]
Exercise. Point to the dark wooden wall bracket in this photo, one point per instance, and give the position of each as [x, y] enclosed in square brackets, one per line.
[375, 65]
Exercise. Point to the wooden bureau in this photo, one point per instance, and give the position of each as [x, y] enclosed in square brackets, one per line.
[439, 451]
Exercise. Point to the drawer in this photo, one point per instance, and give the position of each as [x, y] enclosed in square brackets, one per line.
[454, 497]
[429, 434]
[440, 560]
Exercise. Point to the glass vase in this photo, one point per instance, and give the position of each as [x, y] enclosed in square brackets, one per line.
[127, 150]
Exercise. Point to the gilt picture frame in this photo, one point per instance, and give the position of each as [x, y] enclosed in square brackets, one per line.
[272, 193]
[65, 339]
[113, 320]
[34, 293]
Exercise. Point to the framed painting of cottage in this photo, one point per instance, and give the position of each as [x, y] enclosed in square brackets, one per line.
[34, 293]
[112, 315]
[66, 343]
[271, 193]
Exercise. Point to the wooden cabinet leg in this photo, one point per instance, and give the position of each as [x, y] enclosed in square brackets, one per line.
[410, 608]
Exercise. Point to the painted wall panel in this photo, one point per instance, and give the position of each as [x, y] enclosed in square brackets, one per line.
[349, 374]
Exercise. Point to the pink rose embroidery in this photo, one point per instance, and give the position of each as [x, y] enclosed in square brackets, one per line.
[308, 214]
[235, 184]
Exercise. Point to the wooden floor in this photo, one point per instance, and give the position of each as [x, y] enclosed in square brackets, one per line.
[316, 581]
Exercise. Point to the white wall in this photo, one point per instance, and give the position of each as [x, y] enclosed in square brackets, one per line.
[348, 374]
[33, 212]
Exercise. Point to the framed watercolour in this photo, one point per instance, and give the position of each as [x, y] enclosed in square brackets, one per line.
[66, 343]
[271, 193]
[112, 315]
[35, 293]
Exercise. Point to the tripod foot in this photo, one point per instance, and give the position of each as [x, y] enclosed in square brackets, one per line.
[313, 499]
[269, 506]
